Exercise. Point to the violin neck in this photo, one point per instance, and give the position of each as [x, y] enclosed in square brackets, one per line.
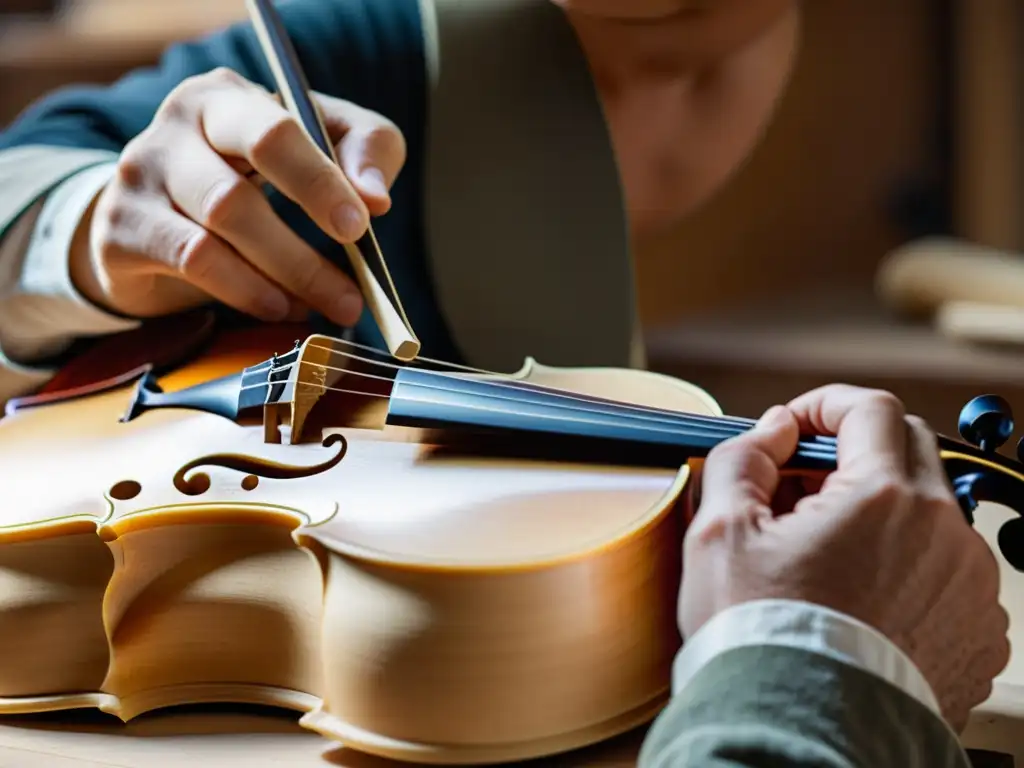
[576, 426]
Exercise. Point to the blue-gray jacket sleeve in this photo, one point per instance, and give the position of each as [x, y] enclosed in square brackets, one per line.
[509, 206]
[370, 52]
[772, 706]
[367, 51]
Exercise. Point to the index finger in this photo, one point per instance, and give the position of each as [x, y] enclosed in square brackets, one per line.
[276, 145]
[741, 475]
[869, 424]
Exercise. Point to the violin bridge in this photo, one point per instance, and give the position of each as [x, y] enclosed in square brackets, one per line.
[273, 419]
[306, 381]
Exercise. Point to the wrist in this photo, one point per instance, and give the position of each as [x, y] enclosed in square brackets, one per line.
[81, 269]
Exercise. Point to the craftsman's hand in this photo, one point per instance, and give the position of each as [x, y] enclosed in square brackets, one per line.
[184, 220]
[883, 540]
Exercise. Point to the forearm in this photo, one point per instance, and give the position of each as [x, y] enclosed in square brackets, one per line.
[779, 683]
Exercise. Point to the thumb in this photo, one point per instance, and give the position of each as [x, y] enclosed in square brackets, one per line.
[741, 475]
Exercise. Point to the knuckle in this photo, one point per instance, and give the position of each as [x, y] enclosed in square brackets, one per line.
[717, 528]
[322, 183]
[270, 142]
[1002, 629]
[194, 257]
[983, 694]
[401, 149]
[884, 400]
[115, 210]
[308, 278]
[218, 77]
[1004, 650]
[979, 569]
[987, 564]
[117, 213]
[923, 431]
[180, 103]
[222, 204]
[175, 107]
[918, 423]
[386, 136]
[889, 492]
[133, 164]
[221, 76]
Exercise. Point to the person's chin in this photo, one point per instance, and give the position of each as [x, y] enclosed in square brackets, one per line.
[634, 10]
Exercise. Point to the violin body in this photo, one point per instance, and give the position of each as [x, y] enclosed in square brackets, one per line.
[413, 600]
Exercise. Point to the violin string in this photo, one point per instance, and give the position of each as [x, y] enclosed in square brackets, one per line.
[594, 418]
[656, 414]
[738, 420]
[804, 448]
[381, 353]
[684, 424]
[676, 419]
[501, 377]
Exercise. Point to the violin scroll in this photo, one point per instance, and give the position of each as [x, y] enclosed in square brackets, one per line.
[978, 473]
[987, 422]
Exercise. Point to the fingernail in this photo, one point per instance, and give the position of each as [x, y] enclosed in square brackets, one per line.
[372, 181]
[771, 418]
[349, 307]
[349, 221]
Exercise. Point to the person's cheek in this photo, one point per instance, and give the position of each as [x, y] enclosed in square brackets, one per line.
[677, 147]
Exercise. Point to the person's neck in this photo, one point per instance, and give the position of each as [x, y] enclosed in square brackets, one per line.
[686, 95]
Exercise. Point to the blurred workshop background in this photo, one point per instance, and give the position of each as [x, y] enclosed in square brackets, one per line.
[902, 122]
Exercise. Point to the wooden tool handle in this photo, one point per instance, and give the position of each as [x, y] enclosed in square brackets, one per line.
[983, 323]
[925, 275]
[365, 255]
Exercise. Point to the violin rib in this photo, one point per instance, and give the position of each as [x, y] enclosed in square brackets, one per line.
[404, 598]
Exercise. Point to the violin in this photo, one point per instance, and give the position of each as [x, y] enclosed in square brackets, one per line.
[429, 562]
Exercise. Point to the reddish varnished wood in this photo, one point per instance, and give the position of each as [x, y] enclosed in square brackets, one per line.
[160, 343]
[63, 395]
[177, 347]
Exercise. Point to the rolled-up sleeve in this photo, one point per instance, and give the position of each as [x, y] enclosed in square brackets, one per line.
[41, 312]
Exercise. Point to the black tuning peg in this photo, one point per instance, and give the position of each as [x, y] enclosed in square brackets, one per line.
[987, 422]
[1011, 542]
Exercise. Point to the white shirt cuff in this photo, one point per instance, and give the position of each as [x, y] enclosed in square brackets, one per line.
[43, 311]
[808, 627]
